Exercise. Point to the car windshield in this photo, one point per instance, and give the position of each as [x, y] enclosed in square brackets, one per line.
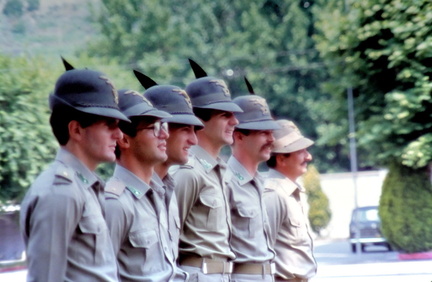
[368, 215]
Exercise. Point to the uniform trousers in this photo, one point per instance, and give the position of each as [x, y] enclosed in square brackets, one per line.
[237, 277]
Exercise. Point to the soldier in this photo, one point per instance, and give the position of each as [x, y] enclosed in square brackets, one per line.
[182, 126]
[62, 214]
[136, 213]
[253, 140]
[285, 205]
[204, 249]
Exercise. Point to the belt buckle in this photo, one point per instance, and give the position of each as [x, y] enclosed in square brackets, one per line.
[230, 267]
[204, 267]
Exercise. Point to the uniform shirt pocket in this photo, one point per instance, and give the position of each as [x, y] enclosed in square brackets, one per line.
[212, 210]
[143, 238]
[93, 239]
[247, 221]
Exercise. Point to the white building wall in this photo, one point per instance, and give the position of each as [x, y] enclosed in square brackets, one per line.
[340, 189]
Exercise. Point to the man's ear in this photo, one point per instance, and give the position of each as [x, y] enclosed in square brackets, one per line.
[124, 142]
[75, 130]
[237, 136]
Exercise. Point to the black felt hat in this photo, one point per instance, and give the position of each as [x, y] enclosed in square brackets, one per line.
[87, 91]
[208, 92]
[256, 113]
[169, 98]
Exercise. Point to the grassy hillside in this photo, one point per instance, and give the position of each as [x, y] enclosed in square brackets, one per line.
[54, 28]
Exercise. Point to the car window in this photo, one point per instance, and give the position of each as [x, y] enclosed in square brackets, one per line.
[368, 215]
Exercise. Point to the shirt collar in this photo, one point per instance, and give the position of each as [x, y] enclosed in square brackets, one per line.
[239, 171]
[204, 158]
[135, 185]
[87, 177]
[288, 185]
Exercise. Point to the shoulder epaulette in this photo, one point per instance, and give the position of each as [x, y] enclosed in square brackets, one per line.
[63, 175]
[114, 187]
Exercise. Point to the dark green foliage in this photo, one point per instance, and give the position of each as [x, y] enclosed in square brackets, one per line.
[268, 41]
[13, 8]
[406, 210]
[319, 210]
[27, 143]
[383, 50]
[33, 5]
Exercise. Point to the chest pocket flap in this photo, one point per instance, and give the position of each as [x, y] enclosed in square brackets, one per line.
[143, 239]
[211, 201]
[247, 212]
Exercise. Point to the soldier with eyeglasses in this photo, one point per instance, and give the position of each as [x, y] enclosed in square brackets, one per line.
[135, 212]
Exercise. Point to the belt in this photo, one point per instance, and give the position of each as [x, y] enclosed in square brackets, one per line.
[208, 266]
[254, 268]
[279, 279]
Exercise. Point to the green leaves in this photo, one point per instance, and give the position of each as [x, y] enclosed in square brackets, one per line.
[26, 140]
[384, 44]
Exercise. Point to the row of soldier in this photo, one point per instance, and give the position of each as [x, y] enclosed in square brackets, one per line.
[173, 209]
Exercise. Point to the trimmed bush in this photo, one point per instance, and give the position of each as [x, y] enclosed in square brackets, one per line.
[319, 211]
[406, 209]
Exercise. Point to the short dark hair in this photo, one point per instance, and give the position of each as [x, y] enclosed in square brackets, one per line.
[245, 132]
[271, 163]
[130, 128]
[203, 114]
[62, 116]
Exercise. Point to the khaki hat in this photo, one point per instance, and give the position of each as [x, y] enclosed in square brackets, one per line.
[289, 138]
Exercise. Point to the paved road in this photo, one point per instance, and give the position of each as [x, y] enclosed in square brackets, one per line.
[336, 263]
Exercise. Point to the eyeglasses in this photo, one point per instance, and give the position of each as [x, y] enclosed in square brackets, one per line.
[157, 127]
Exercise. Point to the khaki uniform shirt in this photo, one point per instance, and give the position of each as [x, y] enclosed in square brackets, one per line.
[290, 230]
[251, 239]
[138, 225]
[171, 204]
[203, 207]
[63, 225]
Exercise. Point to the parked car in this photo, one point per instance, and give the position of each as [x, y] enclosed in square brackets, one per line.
[366, 221]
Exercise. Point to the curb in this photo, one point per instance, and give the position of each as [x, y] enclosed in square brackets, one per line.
[414, 256]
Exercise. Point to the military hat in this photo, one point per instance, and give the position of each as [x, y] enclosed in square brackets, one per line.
[134, 104]
[208, 92]
[289, 138]
[87, 91]
[256, 113]
[169, 98]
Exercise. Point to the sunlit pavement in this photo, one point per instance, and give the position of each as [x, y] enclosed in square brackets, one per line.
[336, 263]
[406, 271]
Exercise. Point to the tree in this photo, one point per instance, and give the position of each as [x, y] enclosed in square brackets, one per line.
[27, 143]
[405, 210]
[269, 41]
[382, 50]
[319, 210]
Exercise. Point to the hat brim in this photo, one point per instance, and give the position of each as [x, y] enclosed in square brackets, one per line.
[143, 110]
[297, 145]
[105, 112]
[259, 125]
[184, 119]
[222, 106]
[99, 111]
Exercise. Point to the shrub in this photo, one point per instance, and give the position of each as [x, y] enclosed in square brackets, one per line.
[319, 211]
[406, 210]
